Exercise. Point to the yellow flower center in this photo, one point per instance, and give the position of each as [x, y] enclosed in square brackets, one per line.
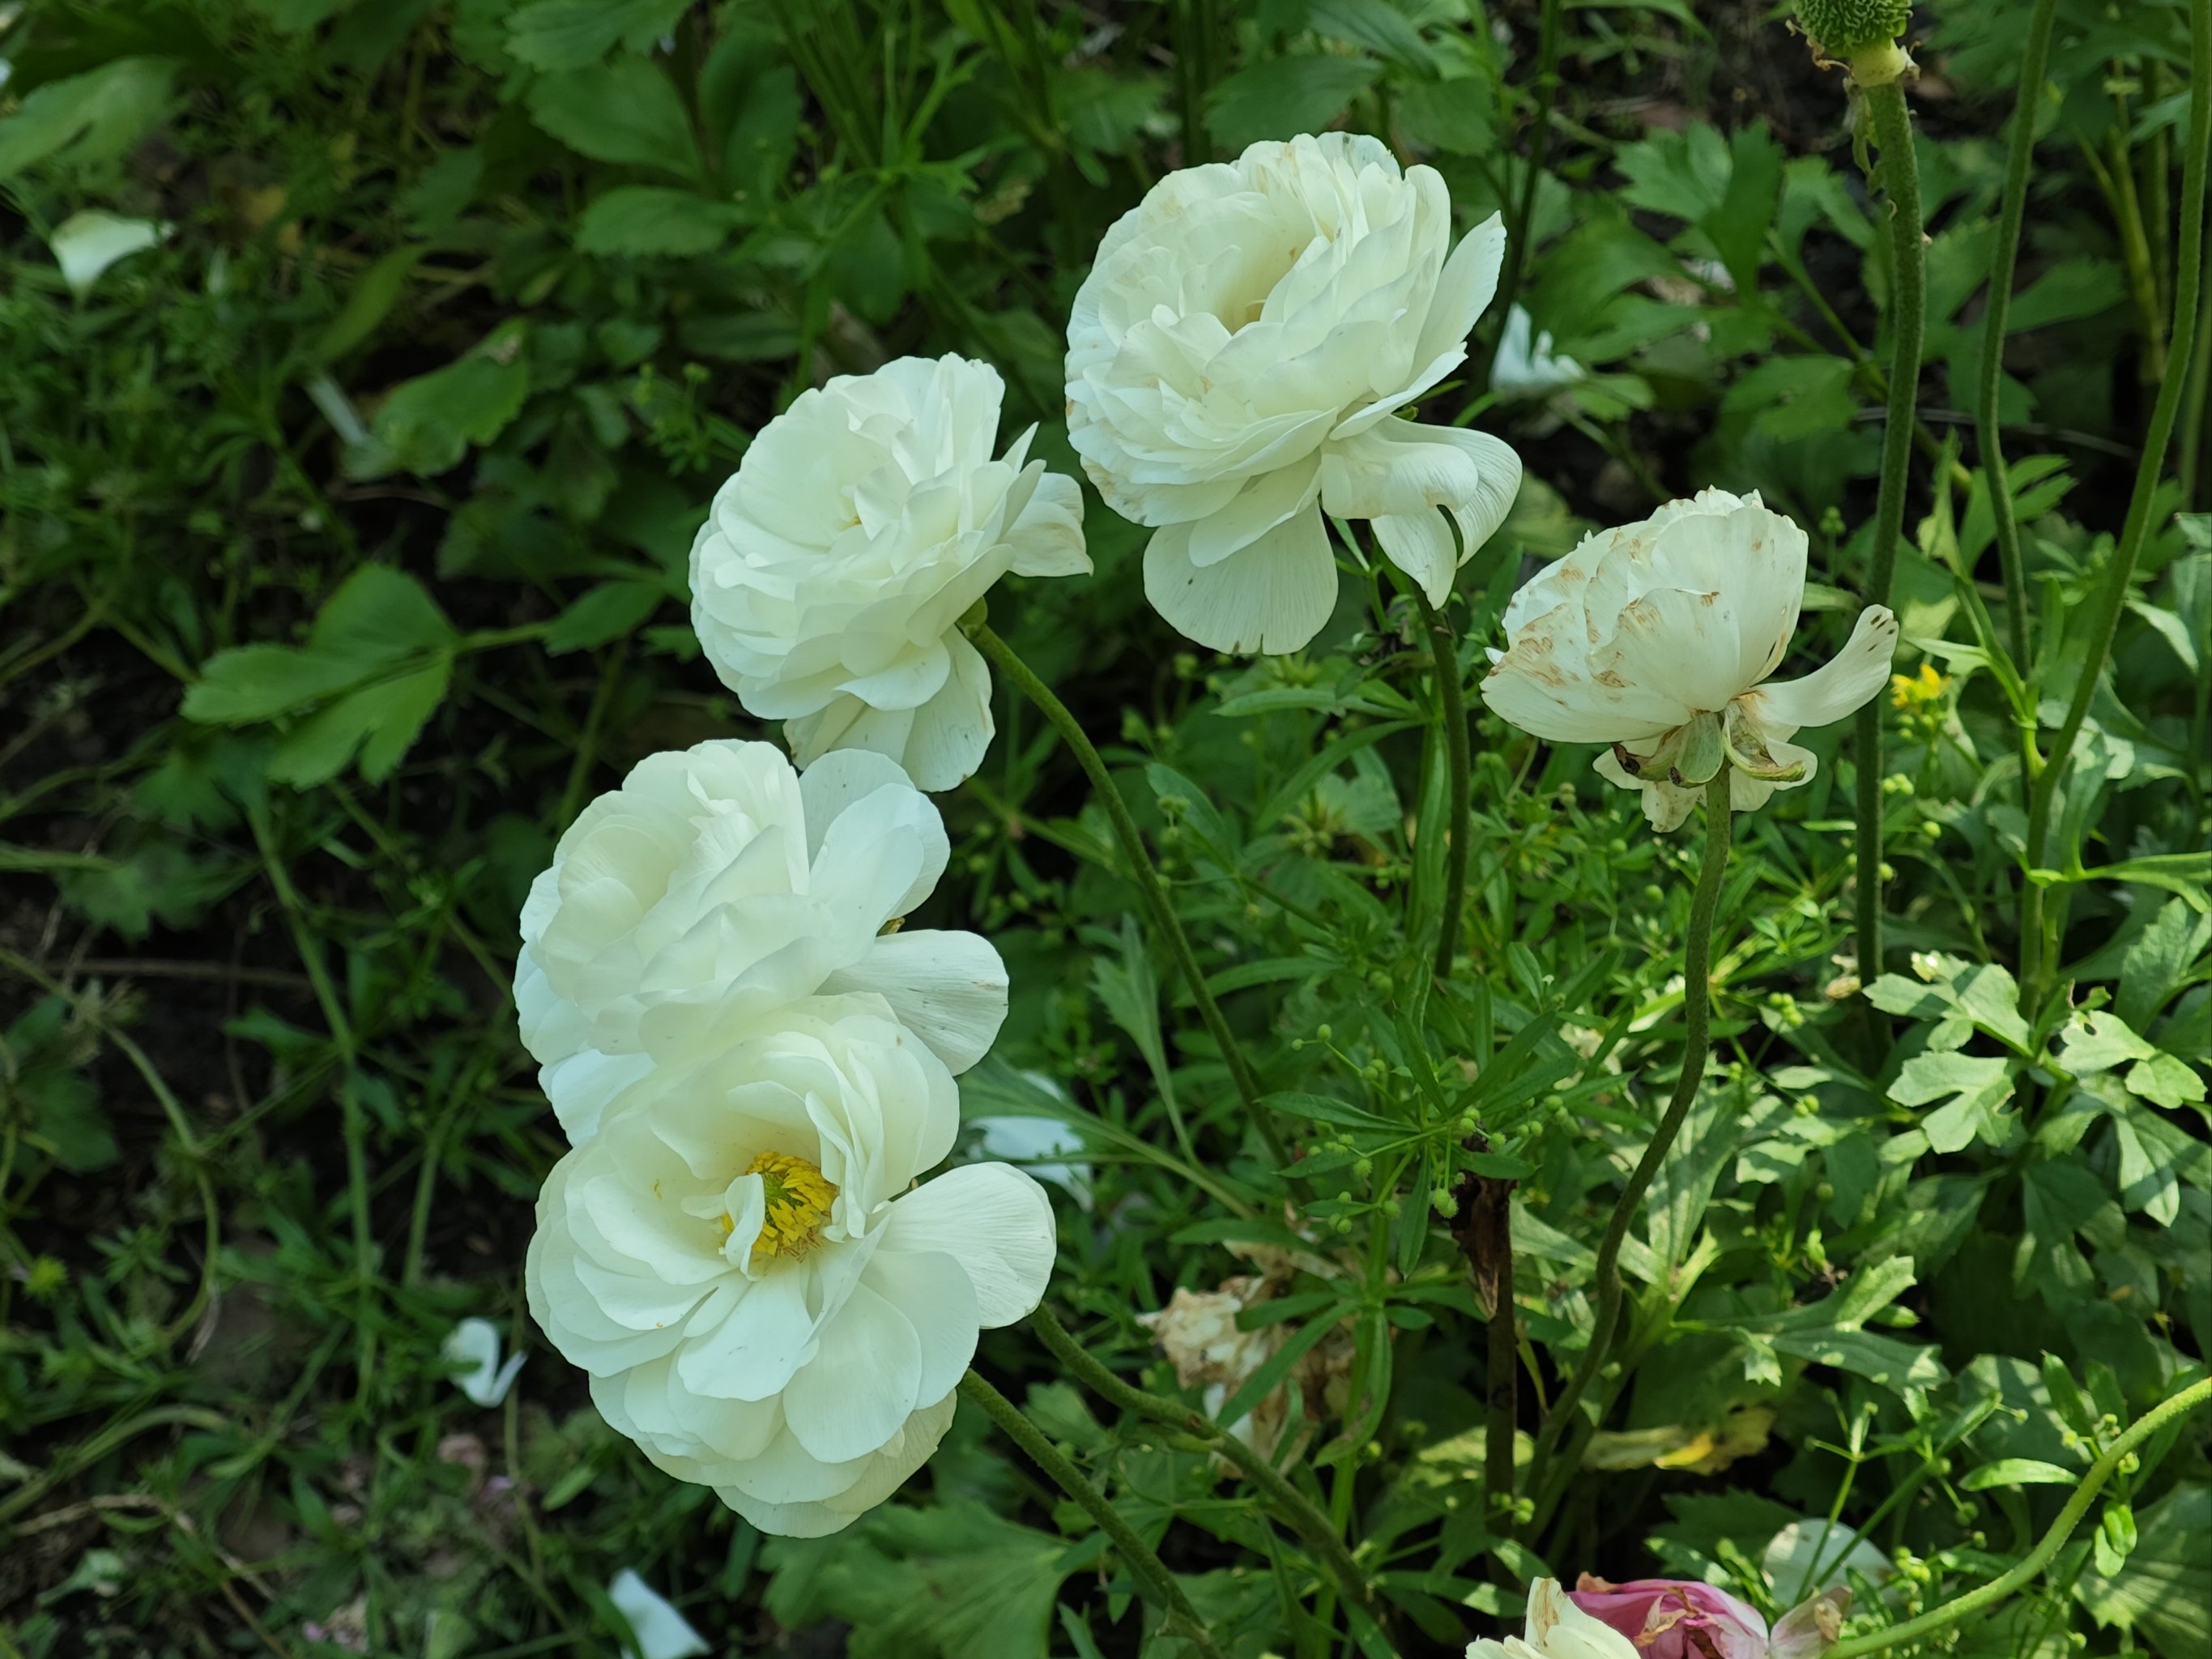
[799, 1200]
[1917, 690]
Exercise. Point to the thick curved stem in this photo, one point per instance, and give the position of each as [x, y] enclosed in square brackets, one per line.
[1697, 1022]
[2038, 942]
[1135, 1551]
[1294, 1506]
[1900, 178]
[1452, 705]
[2025, 1569]
[1146, 876]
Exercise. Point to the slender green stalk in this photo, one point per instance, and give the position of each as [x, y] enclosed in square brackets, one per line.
[1451, 707]
[1900, 178]
[2032, 66]
[1697, 1019]
[1294, 1505]
[2038, 941]
[1135, 1552]
[1525, 210]
[2025, 1570]
[1150, 889]
[1489, 1244]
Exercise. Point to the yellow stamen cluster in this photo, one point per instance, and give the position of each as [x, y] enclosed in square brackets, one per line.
[1917, 690]
[798, 1204]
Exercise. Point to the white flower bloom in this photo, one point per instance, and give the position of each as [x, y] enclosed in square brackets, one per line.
[85, 243]
[1657, 639]
[1236, 359]
[717, 885]
[657, 1630]
[474, 1343]
[731, 1259]
[829, 579]
[1557, 1629]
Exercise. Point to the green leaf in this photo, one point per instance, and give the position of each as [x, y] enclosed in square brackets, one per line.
[1319, 1108]
[2018, 1472]
[254, 683]
[643, 221]
[1738, 227]
[369, 301]
[567, 34]
[625, 111]
[2096, 1041]
[1973, 1087]
[606, 613]
[2166, 1081]
[2164, 1591]
[380, 612]
[381, 720]
[425, 425]
[2159, 962]
[1284, 96]
[1908, 1369]
[948, 1582]
[93, 117]
[1375, 24]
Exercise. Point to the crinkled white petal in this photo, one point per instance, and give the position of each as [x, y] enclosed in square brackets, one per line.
[1273, 595]
[1839, 687]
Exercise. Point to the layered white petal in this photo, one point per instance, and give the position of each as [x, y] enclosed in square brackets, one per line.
[717, 887]
[1272, 595]
[764, 1302]
[1250, 328]
[1839, 687]
[1645, 635]
[830, 577]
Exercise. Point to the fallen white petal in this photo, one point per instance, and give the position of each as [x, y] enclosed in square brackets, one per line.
[474, 1343]
[657, 1630]
[85, 243]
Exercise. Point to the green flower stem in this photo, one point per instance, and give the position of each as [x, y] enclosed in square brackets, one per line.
[1294, 1506]
[1900, 178]
[1150, 890]
[1525, 210]
[1697, 1019]
[2033, 62]
[2038, 920]
[1452, 703]
[2029, 1566]
[1135, 1552]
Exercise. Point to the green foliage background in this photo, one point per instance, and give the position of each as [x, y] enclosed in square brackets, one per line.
[344, 558]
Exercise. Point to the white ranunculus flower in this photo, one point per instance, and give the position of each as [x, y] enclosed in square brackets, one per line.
[828, 581]
[759, 1308]
[1657, 639]
[717, 885]
[1236, 359]
[1557, 1629]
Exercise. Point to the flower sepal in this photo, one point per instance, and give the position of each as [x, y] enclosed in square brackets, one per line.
[1748, 751]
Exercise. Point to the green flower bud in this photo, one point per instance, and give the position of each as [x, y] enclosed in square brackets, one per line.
[1862, 33]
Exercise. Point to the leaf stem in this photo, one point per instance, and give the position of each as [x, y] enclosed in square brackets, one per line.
[1525, 210]
[1901, 177]
[1146, 876]
[2039, 922]
[2029, 1566]
[2032, 64]
[1139, 1555]
[1697, 1020]
[1451, 704]
[1295, 1507]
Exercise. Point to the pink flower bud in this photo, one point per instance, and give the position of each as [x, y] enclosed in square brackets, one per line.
[1674, 1618]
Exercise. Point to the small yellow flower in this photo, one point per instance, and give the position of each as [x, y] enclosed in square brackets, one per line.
[1917, 690]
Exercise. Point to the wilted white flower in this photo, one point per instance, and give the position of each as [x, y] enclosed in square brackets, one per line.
[1557, 1628]
[657, 1630]
[1657, 639]
[1236, 359]
[474, 1343]
[1199, 1334]
[85, 243]
[827, 582]
[716, 885]
[759, 1308]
